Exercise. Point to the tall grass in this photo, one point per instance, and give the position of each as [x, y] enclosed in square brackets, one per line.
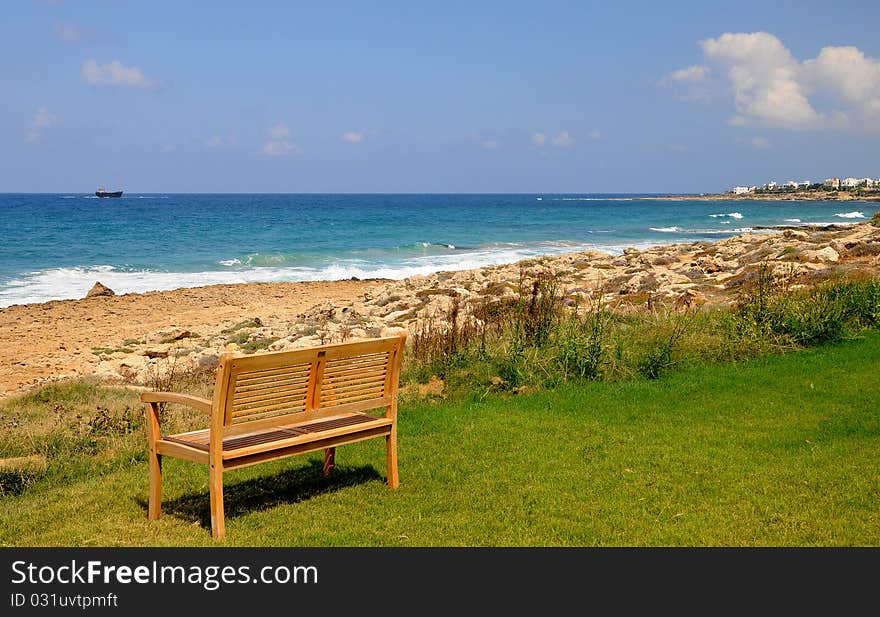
[544, 336]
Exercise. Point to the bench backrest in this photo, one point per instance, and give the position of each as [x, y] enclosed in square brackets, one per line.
[269, 389]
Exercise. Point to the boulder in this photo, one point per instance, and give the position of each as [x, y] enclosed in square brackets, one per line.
[691, 298]
[824, 255]
[99, 289]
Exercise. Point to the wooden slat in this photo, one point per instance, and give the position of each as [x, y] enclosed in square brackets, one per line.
[365, 405]
[269, 396]
[283, 415]
[354, 369]
[255, 379]
[270, 413]
[321, 444]
[379, 375]
[297, 381]
[179, 450]
[299, 417]
[285, 408]
[348, 390]
[350, 374]
[309, 437]
[360, 361]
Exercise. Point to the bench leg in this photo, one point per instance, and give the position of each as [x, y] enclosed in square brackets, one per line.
[218, 524]
[329, 461]
[155, 503]
[391, 456]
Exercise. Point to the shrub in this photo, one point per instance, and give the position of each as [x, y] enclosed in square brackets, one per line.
[660, 357]
[582, 344]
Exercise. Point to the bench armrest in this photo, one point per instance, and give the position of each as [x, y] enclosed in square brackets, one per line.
[202, 404]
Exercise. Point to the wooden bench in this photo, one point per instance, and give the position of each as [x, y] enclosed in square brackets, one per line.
[268, 406]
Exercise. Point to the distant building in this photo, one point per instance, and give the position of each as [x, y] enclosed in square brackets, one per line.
[740, 190]
[791, 184]
[869, 183]
[833, 183]
[804, 185]
[850, 183]
[771, 186]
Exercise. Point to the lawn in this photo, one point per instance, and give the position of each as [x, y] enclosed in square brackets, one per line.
[781, 451]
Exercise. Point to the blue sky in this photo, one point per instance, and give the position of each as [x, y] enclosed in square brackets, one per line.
[436, 97]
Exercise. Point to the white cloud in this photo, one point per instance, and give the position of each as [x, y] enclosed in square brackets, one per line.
[114, 74]
[690, 74]
[595, 135]
[490, 144]
[278, 131]
[760, 143]
[539, 139]
[40, 122]
[773, 88]
[764, 77]
[353, 137]
[218, 141]
[850, 76]
[279, 142]
[71, 33]
[278, 148]
[563, 140]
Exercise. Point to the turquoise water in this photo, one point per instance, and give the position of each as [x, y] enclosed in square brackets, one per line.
[56, 246]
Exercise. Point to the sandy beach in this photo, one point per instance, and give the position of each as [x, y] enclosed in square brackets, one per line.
[125, 338]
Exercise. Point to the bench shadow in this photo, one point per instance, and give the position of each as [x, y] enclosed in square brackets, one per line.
[287, 487]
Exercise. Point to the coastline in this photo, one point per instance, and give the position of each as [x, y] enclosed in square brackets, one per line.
[127, 338]
[793, 196]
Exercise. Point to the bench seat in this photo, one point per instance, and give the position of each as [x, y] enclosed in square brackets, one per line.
[280, 436]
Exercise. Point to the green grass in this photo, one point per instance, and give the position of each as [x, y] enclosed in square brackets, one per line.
[777, 451]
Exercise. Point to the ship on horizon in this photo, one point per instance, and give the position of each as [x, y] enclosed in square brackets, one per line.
[101, 192]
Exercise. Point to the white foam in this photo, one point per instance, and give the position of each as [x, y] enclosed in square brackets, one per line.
[665, 230]
[850, 215]
[733, 215]
[73, 283]
[792, 220]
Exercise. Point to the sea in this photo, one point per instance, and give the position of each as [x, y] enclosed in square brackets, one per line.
[56, 246]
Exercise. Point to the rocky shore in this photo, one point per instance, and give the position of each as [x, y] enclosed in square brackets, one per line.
[132, 338]
[777, 196]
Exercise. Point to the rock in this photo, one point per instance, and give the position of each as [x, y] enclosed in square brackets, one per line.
[691, 298]
[795, 233]
[155, 353]
[168, 336]
[824, 255]
[206, 360]
[99, 289]
[391, 331]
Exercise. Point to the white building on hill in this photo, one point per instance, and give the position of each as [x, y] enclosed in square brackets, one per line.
[833, 183]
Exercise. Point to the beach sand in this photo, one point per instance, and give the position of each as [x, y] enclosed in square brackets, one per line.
[56, 339]
[125, 338]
